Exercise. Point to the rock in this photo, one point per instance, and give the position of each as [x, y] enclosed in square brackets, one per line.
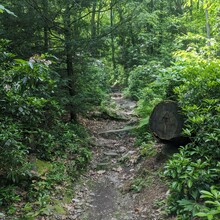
[111, 153]
[116, 133]
[101, 171]
[118, 169]
[122, 149]
[75, 200]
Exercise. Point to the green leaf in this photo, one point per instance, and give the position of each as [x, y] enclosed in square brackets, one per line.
[189, 183]
[201, 214]
[174, 185]
[206, 194]
[31, 65]
[210, 217]
[20, 61]
[2, 9]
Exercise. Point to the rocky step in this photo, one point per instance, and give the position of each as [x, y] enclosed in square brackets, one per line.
[116, 133]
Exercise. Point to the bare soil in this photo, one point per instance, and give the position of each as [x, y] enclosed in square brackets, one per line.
[120, 183]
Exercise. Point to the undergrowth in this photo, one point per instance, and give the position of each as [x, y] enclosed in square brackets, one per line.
[40, 153]
[193, 81]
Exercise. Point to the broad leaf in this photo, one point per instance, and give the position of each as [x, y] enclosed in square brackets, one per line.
[2, 9]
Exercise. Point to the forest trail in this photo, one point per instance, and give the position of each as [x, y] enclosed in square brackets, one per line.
[112, 187]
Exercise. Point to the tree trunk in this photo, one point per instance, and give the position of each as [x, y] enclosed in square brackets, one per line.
[93, 30]
[198, 4]
[69, 59]
[166, 121]
[46, 29]
[122, 46]
[93, 23]
[207, 26]
[112, 36]
[99, 17]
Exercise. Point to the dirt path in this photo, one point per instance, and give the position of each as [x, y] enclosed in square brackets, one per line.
[112, 188]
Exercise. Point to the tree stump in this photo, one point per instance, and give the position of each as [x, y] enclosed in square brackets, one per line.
[166, 121]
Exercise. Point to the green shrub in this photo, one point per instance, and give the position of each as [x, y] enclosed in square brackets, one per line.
[141, 76]
[32, 130]
[211, 208]
[196, 167]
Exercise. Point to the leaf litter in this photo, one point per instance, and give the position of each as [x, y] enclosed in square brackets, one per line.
[107, 190]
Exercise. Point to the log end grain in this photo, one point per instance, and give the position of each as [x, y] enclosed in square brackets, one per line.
[166, 121]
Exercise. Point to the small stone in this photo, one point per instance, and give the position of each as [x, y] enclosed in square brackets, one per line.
[131, 152]
[167, 193]
[89, 205]
[122, 149]
[101, 171]
[90, 200]
[113, 154]
[75, 200]
[118, 169]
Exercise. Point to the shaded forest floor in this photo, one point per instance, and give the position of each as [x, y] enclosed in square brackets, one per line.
[120, 184]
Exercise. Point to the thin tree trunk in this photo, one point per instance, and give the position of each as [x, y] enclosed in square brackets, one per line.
[123, 49]
[93, 29]
[161, 16]
[99, 17]
[208, 32]
[69, 59]
[93, 25]
[112, 36]
[46, 29]
[122, 38]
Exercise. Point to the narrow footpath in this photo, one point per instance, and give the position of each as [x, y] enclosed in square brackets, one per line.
[112, 187]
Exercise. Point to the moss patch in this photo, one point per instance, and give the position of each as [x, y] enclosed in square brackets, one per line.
[43, 166]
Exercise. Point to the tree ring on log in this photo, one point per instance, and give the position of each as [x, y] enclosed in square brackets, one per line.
[166, 121]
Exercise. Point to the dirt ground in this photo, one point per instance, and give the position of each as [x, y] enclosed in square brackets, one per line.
[120, 184]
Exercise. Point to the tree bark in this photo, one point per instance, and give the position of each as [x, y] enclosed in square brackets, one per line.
[112, 36]
[93, 30]
[99, 17]
[46, 29]
[93, 23]
[208, 32]
[166, 121]
[69, 59]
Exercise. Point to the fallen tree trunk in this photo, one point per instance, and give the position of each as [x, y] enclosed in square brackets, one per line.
[166, 121]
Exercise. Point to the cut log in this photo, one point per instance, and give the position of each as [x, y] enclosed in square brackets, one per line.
[166, 121]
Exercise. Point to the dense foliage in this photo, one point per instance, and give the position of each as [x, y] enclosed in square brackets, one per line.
[196, 167]
[33, 132]
[192, 80]
[60, 59]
